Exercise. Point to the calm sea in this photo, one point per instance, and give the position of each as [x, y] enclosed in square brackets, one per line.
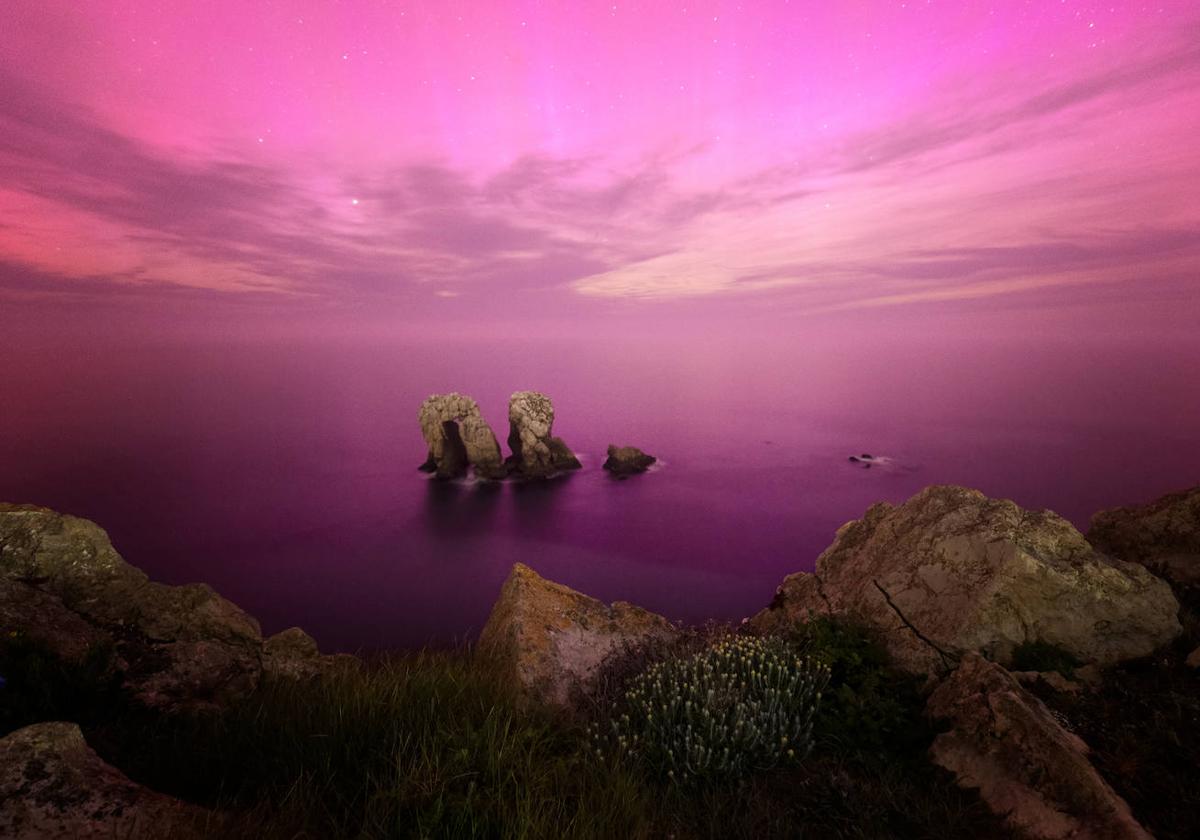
[283, 473]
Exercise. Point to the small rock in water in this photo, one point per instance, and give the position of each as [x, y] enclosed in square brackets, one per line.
[624, 461]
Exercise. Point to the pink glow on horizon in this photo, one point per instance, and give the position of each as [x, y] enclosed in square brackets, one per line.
[463, 160]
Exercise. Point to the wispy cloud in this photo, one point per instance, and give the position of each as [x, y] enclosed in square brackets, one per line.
[998, 185]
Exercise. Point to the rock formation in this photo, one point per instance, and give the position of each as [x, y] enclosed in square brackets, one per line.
[1005, 743]
[64, 587]
[625, 461]
[966, 572]
[53, 785]
[550, 639]
[458, 436]
[293, 654]
[535, 453]
[1164, 536]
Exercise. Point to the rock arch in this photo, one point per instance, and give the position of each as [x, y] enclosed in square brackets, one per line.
[458, 436]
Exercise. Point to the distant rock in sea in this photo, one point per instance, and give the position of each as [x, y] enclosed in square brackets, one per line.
[535, 452]
[624, 461]
[881, 462]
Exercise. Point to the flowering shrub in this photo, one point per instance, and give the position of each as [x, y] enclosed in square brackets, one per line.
[743, 704]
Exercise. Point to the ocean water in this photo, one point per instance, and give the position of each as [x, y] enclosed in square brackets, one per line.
[283, 472]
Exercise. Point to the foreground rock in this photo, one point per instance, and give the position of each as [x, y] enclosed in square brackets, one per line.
[535, 452]
[1164, 536]
[1005, 743]
[458, 437]
[551, 639]
[293, 654]
[53, 785]
[64, 587]
[969, 573]
[178, 646]
[625, 461]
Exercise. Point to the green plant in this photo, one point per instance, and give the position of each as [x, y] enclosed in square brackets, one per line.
[428, 745]
[870, 709]
[1043, 656]
[742, 704]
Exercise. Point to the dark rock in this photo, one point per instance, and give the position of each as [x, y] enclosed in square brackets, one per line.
[53, 785]
[180, 646]
[1006, 744]
[293, 654]
[1163, 536]
[627, 460]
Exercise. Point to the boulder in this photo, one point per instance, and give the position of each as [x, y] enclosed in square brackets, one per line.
[625, 461]
[952, 570]
[293, 654]
[550, 640]
[535, 452]
[1004, 742]
[53, 785]
[42, 619]
[458, 436]
[178, 646]
[1164, 536]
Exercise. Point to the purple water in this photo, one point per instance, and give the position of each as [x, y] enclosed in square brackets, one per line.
[283, 472]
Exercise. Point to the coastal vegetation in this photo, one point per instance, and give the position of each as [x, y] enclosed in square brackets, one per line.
[882, 695]
[435, 744]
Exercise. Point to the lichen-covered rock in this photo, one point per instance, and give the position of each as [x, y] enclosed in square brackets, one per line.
[1004, 742]
[30, 615]
[535, 452]
[293, 654]
[624, 461]
[973, 573]
[179, 646]
[1164, 536]
[458, 436]
[53, 785]
[551, 639]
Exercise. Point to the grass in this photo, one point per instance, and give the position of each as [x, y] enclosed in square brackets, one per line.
[431, 745]
[428, 745]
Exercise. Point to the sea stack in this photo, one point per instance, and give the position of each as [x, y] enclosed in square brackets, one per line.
[535, 452]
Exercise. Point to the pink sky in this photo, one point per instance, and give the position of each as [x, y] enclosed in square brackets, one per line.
[463, 162]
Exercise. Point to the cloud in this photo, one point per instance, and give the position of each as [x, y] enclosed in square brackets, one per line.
[966, 195]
